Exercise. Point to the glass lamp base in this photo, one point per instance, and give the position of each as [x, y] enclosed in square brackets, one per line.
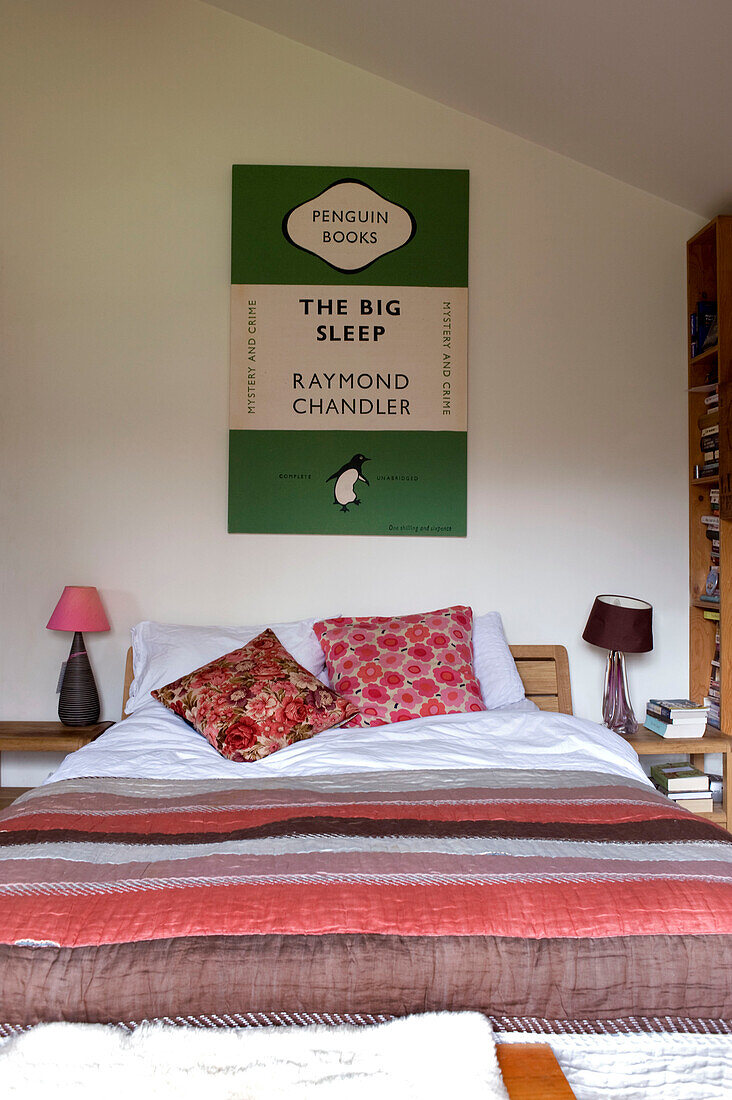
[617, 712]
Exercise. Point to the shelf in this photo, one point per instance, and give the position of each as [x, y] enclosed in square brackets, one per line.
[716, 815]
[647, 743]
[710, 479]
[47, 736]
[705, 356]
[707, 387]
[706, 605]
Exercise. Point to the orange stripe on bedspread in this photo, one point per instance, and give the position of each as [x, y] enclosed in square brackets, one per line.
[535, 909]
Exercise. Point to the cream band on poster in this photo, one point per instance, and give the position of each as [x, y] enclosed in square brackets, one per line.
[325, 357]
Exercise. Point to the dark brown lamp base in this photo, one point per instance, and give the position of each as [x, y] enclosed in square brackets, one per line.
[78, 703]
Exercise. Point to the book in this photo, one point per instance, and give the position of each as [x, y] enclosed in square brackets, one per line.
[712, 336]
[677, 730]
[690, 718]
[706, 313]
[703, 805]
[710, 429]
[711, 521]
[716, 787]
[679, 777]
[668, 708]
[713, 616]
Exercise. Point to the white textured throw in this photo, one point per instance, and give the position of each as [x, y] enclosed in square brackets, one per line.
[429, 1057]
[642, 1067]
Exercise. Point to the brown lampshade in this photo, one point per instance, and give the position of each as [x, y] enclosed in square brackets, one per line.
[620, 623]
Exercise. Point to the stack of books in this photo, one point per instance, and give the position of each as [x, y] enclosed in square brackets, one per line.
[676, 717]
[709, 443]
[714, 699]
[686, 785]
[708, 424]
[710, 594]
[715, 695]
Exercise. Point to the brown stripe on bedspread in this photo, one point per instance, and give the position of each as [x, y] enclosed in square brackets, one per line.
[658, 830]
[629, 976]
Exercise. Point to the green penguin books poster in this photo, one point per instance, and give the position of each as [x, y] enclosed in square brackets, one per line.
[349, 300]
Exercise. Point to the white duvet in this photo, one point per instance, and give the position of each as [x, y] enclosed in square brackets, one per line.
[153, 743]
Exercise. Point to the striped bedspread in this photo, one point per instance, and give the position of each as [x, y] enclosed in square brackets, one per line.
[554, 900]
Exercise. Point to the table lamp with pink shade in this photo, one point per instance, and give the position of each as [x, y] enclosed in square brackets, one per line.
[79, 609]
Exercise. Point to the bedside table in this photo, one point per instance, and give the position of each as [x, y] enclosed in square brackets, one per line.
[42, 737]
[647, 743]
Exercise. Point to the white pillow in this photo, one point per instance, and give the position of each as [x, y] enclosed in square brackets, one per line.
[500, 683]
[162, 652]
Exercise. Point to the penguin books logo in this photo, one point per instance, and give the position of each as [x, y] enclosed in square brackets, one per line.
[344, 488]
[349, 225]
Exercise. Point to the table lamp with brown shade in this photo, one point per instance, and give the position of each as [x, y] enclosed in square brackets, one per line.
[79, 609]
[620, 624]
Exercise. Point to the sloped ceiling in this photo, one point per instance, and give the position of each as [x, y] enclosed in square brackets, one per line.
[639, 89]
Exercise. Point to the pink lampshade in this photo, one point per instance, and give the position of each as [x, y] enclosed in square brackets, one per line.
[78, 609]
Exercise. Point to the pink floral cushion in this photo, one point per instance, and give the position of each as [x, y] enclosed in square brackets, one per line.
[255, 700]
[395, 669]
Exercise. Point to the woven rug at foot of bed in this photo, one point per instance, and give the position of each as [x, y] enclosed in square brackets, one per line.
[425, 1057]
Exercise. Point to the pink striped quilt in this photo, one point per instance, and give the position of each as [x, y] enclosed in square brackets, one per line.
[544, 899]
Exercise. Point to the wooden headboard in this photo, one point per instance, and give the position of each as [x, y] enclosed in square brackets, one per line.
[544, 671]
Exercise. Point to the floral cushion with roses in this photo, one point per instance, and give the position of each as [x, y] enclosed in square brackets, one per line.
[411, 666]
[255, 700]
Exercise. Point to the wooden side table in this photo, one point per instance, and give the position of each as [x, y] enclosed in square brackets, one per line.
[42, 737]
[647, 743]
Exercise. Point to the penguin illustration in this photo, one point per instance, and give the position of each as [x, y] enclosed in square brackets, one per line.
[344, 492]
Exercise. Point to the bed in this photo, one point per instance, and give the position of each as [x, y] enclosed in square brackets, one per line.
[515, 861]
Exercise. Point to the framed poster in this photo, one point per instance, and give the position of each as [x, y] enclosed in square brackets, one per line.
[348, 400]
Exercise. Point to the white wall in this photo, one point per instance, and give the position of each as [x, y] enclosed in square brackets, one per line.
[123, 121]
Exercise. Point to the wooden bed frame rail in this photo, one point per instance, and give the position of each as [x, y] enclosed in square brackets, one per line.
[544, 672]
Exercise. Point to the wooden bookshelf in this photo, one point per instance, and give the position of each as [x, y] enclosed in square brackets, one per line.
[709, 276]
